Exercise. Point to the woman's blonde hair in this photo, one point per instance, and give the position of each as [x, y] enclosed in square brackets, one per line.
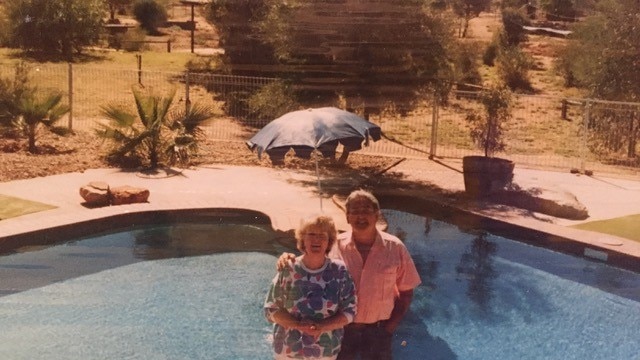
[323, 223]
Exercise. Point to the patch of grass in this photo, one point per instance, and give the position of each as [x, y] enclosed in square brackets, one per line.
[627, 227]
[11, 207]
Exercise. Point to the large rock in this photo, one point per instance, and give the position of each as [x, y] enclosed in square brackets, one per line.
[128, 195]
[542, 198]
[96, 193]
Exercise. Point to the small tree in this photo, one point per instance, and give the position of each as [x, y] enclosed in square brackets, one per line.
[159, 133]
[55, 27]
[467, 10]
[485, 174]
[487, 128]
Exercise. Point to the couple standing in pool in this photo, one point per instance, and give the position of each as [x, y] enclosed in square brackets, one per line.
[346, 294]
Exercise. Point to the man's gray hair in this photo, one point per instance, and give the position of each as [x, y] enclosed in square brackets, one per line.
[362, 194]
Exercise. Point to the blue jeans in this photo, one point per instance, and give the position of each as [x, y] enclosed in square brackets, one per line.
[369, 341]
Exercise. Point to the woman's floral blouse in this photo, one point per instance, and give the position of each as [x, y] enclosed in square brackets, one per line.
[310, 295]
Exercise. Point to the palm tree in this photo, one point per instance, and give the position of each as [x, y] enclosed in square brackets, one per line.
[26, 108]
[160, 132]
[32, 111]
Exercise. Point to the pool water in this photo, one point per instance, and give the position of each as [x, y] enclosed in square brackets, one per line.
[195, 292]
[487, 297]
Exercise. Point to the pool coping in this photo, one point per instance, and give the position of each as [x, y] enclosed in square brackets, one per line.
[613, 250]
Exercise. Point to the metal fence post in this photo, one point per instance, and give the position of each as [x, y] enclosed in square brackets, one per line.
[434, 126]
[139, 58]
[585, 129]
[187, 100]
[70, 95]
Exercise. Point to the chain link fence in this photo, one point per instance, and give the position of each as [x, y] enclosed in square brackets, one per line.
[555, 133]
[545, 131]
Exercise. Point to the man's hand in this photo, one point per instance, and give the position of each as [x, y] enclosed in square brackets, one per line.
[284, 260]
[400, 308]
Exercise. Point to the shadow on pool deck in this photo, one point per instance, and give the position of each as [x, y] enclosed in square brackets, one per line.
[284, 195]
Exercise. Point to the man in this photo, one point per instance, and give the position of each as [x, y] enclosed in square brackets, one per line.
[384, 275]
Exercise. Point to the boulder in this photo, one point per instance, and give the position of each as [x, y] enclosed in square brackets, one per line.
[128, 195]
[96, 193]
[542, 198]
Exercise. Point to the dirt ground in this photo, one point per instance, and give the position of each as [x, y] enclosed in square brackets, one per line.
[82, 150]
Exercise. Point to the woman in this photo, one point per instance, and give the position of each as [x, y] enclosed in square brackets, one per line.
[311, 301]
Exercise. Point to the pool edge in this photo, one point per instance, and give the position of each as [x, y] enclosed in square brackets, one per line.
[576, 242]
[60, 233]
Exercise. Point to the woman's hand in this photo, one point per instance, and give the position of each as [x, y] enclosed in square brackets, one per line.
[317, 327]
[284, 260]
[311, 328]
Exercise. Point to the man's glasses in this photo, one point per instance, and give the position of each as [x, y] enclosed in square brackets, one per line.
[361, 211]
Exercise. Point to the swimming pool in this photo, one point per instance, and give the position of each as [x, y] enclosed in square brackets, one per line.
[171, 292]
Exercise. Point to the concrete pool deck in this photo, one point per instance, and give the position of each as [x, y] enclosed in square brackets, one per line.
[286, 194]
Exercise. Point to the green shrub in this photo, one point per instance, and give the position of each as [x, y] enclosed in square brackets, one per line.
[12, 89]
[131, 40]
[150, 14]
[271, 101]
[512, 22]
[204, 64]
[490, 53]
[562, 66]
[505, 4]
[513, 68]
[558, 10]
[466, 67]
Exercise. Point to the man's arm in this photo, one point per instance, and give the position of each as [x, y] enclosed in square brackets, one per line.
[400, 307]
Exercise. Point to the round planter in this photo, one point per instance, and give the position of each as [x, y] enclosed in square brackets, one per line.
[484, 175]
